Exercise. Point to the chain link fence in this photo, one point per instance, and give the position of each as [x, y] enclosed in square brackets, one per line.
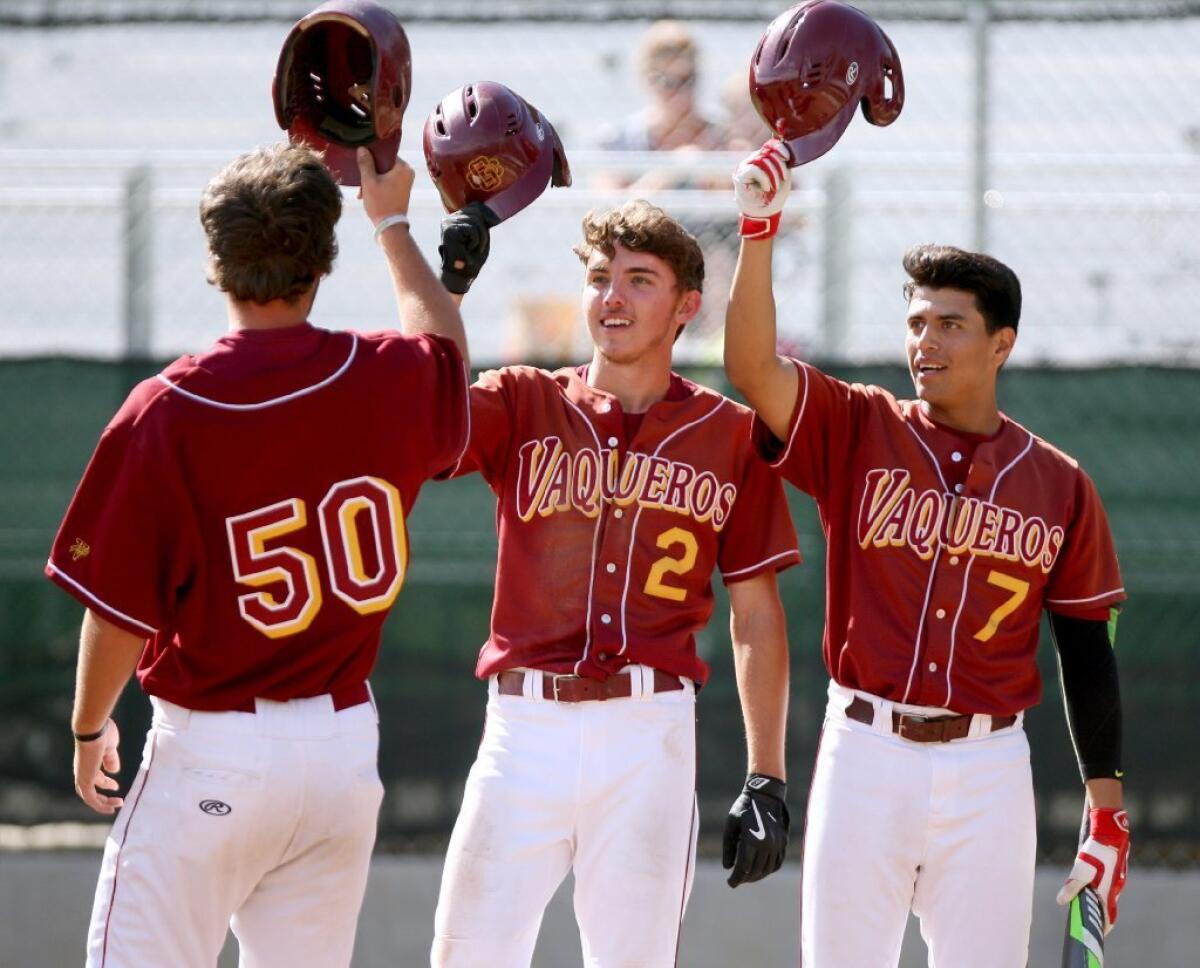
[1058, 136]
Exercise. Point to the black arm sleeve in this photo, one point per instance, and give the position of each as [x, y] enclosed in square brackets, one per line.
[1088, 669]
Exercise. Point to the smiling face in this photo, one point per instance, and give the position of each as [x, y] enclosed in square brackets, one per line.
[633, 306]
[952, 358]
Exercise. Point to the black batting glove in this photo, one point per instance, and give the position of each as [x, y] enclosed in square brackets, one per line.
[465, 245]
[756, 830]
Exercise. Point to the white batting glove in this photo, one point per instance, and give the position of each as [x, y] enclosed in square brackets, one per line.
[1102, 862]
[761, 185]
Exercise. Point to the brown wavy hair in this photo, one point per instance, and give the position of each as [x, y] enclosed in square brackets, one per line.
[643, 227]
[269, 217]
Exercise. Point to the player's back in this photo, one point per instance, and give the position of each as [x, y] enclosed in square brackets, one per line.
[248, 508]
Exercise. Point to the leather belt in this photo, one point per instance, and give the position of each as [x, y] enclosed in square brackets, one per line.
[581, 688]
[923, 729]
[343, 698]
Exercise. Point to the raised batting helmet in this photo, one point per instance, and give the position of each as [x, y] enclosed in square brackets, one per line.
[484, 143]
[343, 81]
[814, 65]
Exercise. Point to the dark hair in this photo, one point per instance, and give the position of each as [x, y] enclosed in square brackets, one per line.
[643, 227]
[269, 218]
[996, 288]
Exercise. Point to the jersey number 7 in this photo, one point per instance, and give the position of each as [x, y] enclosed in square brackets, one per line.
[366, 588]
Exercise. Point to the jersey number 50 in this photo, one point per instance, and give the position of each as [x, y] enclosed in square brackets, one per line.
[346, 507]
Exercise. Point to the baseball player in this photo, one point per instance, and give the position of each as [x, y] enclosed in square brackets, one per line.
[239, 536]
[951, 528]
[620, 487]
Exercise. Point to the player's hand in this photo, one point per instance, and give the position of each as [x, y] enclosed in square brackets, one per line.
[96, 764]
[386, 194]
[756, 830]
[1102, 863]
[761, 185]
[466, 242]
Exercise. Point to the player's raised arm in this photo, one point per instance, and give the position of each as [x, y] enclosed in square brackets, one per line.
[768, 382]
[424, 304]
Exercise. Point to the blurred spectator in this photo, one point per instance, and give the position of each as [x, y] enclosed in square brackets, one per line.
[744, 129]
[668, 60]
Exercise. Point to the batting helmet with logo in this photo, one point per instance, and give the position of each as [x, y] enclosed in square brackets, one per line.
[484, 143]
[343, 80]
[815, 64]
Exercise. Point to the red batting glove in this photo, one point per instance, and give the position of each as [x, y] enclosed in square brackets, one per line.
[761, 185]
[1102, 863]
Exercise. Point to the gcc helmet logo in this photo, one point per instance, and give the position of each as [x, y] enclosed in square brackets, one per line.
[485, 173]
[852, 72]
[216, 808]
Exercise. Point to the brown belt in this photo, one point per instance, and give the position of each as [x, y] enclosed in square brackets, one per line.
[581, 688]
[922, 729]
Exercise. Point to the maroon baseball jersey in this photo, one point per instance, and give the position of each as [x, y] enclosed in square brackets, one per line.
[246, 509]
[943, 547]
[610, 526]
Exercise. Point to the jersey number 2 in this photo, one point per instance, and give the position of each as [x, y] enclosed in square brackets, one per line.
[666, 565]
[370, 501]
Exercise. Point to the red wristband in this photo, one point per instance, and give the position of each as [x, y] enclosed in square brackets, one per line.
[752, 227]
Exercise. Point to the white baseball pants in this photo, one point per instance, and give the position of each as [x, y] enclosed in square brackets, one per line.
[261, 821]
[606, 788]
[946, 829]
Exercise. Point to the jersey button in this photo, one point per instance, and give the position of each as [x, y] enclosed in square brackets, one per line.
[956, 457]
[602, 656]
[933, 667]
[618, 513]
[940, 613]
[954, 559]
[957, 488]
[604, 407]
[606, 618]
[612, 441]
[610, 567]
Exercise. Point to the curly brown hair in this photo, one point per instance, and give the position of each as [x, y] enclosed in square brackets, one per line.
[269, 217]
[996, 288]
[643, 227]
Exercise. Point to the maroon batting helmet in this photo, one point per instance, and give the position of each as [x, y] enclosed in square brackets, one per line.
[484, 143]
[343, 81]
[815, 64]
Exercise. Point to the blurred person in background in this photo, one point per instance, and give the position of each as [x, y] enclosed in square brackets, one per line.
[668, 66]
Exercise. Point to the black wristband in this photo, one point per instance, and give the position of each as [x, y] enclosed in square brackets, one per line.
[91, 737]
[771, 786]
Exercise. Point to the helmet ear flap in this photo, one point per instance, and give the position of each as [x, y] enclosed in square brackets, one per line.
[560, 176]
[885, 99]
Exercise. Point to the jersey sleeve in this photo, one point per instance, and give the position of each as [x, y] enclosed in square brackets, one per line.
[759, 535]
[121, 549]
[1086, 576]
[439, 390]
[492, 416]
[822, 425]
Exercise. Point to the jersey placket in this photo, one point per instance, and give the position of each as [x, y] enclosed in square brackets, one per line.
[949, 581]
[612, 563]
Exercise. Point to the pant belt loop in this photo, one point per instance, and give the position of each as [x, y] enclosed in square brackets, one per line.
[532, 686]
[641, 682]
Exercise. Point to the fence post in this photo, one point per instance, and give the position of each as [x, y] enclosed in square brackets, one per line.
[138, 281]
[979, 16]
[836, 269]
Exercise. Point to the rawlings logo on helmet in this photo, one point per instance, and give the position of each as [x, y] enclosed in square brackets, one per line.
[485, 173]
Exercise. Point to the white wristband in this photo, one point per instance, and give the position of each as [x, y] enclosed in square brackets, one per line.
[388, 222]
